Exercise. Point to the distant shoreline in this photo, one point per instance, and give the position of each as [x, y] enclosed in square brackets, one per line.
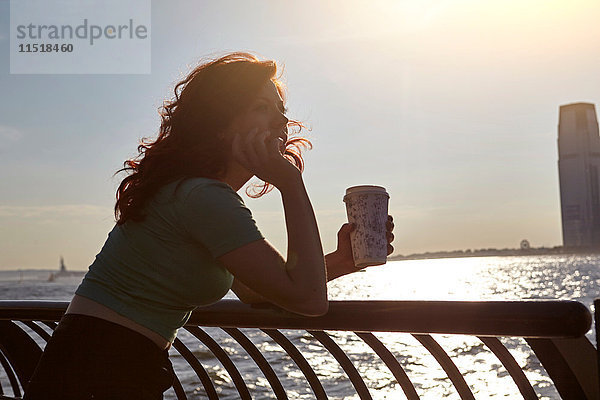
[540, 251]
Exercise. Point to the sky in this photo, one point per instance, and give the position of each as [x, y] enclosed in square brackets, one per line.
[452, 106]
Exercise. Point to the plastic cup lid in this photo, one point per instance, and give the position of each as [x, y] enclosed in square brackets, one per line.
[365, 189]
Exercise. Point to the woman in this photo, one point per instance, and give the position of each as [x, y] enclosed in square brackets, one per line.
[183, 237]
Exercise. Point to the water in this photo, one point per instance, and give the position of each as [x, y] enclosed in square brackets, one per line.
[481, 278]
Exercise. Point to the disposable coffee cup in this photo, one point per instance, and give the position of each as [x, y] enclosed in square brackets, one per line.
[367, 208]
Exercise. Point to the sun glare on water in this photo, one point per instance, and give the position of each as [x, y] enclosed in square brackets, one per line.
[448, 279]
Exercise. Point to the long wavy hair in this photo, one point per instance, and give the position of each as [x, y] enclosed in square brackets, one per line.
[189, 143]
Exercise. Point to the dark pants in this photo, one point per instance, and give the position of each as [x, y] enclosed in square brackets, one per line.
[91, 358]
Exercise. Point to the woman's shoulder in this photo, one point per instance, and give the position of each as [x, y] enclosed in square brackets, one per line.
[184, 188]
[190, 194]
[189, 184]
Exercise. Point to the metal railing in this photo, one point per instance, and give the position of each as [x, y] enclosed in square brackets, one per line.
[553, 330]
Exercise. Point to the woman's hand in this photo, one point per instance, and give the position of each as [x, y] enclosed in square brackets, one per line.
[341, 262]
[259, 152]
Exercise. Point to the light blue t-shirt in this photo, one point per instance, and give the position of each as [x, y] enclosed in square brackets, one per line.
[155, 272]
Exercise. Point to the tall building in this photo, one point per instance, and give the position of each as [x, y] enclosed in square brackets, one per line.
[578, 165]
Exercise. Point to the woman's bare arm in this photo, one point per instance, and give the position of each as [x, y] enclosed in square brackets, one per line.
[297, 283]
[337, 263]
[248, 296]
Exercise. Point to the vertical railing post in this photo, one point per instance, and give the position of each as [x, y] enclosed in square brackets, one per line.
[597, 327]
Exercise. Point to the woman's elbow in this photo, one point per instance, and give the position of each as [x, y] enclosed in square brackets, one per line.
[311, 308]
[320, 310]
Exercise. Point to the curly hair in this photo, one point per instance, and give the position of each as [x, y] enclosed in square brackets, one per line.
[188, 143]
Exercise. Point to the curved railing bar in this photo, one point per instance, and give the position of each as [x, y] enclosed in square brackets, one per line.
[532, 318]
[12, 378]
[224, 358]
[565, 381]
[298, 358]
[211, 392]
[511, 365]
[260, 360]
[345, 363]
[178, 388]
[19, 348]
[37, 329]
[581, 358]
[548, 326]
[390, 361]
[447, 365]
[50, 324]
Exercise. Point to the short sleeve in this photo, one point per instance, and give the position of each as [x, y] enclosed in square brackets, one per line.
[216, 216]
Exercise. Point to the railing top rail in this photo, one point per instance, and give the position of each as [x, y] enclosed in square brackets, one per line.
[536, 318]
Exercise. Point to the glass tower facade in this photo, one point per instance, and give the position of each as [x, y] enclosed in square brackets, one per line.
[578, 167]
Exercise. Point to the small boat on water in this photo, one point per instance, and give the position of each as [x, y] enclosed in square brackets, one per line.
[63, 273]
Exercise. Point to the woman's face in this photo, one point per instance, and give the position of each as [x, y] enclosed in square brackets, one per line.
[266, 112]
